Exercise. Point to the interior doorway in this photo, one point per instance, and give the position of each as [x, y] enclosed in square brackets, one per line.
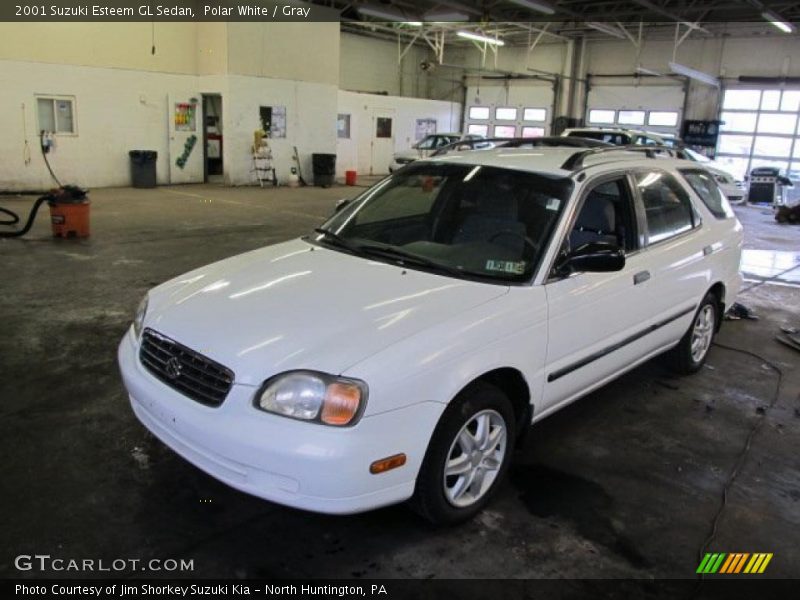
[212, 138]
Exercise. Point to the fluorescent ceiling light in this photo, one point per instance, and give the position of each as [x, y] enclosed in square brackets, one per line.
[694, 74]
[383, 13]
[480, 38]
[646, 71]
[537, 5]
[780, 23]
[414, 23]
[606, 28]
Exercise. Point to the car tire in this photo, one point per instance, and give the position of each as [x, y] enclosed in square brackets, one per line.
[691, 352]
[480, 415]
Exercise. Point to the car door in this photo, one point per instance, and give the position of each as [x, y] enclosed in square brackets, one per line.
[596, 320]
[676, 247]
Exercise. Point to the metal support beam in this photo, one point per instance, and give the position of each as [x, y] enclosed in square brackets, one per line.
[665, 13]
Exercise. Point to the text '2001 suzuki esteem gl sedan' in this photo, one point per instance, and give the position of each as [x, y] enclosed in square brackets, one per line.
[400, 350]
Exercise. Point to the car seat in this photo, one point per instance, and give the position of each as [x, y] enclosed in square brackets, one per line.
[596, 222]
[493, 217]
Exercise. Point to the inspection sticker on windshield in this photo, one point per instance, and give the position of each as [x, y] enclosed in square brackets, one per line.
[506, 266]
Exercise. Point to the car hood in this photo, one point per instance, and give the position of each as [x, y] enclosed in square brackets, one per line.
[299, 306]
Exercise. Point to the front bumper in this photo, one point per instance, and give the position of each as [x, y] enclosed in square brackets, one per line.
[733, 192]
[303, 465]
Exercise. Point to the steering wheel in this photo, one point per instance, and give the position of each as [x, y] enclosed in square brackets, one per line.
[526, 240]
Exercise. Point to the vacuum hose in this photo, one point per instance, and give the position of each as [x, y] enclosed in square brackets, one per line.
[73, 191]
[15, 219]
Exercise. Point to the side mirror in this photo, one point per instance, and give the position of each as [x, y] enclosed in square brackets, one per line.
[340, 204]
[596, 257]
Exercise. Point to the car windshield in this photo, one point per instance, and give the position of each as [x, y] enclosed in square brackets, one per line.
[466, 221]
[428, 143]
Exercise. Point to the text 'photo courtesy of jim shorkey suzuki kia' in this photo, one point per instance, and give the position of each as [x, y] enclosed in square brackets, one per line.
[400, 350]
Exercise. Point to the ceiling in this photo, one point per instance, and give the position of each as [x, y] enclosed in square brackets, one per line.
[517, 22]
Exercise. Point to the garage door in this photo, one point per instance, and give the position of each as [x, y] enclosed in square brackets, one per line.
[513, 110]
[760, 128]
[656, 108]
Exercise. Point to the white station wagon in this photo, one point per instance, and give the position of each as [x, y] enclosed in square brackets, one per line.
[400, 351]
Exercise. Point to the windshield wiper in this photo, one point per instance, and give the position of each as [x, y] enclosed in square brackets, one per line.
[408, 258]
[338, 240]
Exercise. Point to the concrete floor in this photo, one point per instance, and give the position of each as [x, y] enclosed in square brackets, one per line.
[625, 483]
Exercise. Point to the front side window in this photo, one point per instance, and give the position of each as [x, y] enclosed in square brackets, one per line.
[668, 209]
[606, 216]
[466, 221]
[704, 186]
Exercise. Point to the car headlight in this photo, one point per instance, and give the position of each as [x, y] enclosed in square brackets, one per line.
[138, 319]
[313, 396]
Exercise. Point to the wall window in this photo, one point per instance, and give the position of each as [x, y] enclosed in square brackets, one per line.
[760, 129]
[343, 127]
[662, 118]
[742, 99]
[534, 114]
[479, 113]
[668, 209]
[505, 131]
[56, 114]
[530, 132]
[475, 129]
[383, 127]
[704, 186]
[631, 117]
[739, 121]
[505, 114]
[602, 116]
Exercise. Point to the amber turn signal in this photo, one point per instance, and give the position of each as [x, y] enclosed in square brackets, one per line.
[341, 403]
[387, 464]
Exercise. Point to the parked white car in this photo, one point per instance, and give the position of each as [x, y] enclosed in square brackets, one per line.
[427, 146]
[733, 189]
[619, 136]
[401, 350]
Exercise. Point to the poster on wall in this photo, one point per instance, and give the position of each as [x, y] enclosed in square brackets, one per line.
[273, 120]
[425, 127]
[185, 113]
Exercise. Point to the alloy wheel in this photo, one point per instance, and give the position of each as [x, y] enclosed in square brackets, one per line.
[475, 458]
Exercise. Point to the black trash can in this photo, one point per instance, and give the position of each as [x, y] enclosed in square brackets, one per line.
[324, 168]
[143, 168]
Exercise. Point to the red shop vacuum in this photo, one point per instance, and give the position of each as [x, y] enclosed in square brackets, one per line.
[69, 207]
[69, 213]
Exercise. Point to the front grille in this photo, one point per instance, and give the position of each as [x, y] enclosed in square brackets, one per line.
[185, 370]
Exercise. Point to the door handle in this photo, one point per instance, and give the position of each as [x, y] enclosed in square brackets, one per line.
[641, 277]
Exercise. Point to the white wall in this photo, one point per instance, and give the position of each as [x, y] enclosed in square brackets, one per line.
[355, 153]
[311, 124]
[115, 111]
[730, 57]
[371, 65]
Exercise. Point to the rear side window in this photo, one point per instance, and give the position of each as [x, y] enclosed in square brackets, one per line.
[667, 206]
[704, 186]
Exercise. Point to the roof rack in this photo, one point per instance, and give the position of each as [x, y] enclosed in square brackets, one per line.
[547, 141]
[575, 162]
